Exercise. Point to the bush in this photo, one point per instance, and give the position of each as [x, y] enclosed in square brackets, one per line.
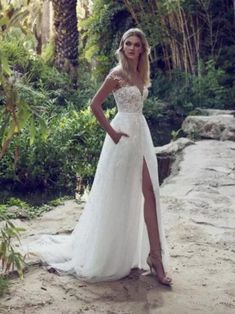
[189, 91]
[162, 118]
[72, 148]
[39, 82]
[55, 144]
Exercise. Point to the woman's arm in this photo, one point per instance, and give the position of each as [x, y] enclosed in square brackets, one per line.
[106, 88]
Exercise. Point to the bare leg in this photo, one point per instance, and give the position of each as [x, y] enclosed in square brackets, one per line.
[150, 216]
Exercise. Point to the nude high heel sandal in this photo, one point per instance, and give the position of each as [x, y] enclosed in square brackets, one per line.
[155, 266]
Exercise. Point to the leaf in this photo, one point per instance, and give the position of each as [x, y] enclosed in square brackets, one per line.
[22, 116]
[44, 129]
[17, 18]
[8, 256]
[32, 130]
[5, 65]
[4, 20]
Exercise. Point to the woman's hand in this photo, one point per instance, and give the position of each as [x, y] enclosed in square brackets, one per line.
[117, 136]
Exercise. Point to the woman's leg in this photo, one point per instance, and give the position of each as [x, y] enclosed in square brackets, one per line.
[150, 213]
[150, 216]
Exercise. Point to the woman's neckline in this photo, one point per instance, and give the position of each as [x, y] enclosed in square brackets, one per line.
[132, 85]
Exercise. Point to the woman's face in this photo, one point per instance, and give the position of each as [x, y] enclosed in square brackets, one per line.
[132, 47]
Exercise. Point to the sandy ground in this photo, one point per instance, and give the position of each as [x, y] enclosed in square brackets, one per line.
[198, 202]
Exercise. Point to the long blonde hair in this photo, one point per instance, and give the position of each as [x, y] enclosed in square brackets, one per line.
[143, 64]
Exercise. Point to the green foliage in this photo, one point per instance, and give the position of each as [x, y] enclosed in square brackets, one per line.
[30, 89]
[153, 108]
[13, 207]
[39, 83]
[18, 50]
[16, 113]
[51, 134]
[48, 53]
[176, 134]
[206, 87]
[3, 209]
[101, 33]
[17, 202]
[9, 258]
[56, 202]
[72, 148]
[35, 96]
[187, 91]
[155, 111]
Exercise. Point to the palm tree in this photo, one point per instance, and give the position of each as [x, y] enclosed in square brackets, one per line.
[66, 36]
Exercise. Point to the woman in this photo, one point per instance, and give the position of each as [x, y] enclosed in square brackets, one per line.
[111, 237]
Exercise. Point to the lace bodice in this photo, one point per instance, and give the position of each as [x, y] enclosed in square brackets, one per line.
[128, 97]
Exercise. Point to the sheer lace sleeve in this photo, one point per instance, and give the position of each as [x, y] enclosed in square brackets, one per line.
[118, 78]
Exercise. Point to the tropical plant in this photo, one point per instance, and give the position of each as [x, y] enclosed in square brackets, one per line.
[72, 149]
[16, 113]
[9, 258]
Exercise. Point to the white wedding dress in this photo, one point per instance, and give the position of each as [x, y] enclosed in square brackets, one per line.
[111, 237]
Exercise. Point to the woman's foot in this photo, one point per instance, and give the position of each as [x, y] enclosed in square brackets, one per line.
[155, 263]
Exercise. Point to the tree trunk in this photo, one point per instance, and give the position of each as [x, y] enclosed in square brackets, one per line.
[46, 21]
[66, 37]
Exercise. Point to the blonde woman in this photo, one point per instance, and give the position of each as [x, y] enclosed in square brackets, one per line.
[121, 225]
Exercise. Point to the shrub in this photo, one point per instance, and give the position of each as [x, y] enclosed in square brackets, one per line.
[72, 147]
[189, 91]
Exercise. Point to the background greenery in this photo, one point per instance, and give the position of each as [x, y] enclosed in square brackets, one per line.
[56, 140]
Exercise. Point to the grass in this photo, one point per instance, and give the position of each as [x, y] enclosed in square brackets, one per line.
[16, 208]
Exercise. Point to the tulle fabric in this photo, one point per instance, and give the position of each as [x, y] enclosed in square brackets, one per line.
[111, 237]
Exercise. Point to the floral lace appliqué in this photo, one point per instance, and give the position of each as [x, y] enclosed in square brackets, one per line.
[128, 97]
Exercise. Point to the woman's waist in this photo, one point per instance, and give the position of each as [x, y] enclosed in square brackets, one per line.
[128, 120]
[130, 113]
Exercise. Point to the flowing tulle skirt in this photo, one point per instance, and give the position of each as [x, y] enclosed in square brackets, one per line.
[111, 237]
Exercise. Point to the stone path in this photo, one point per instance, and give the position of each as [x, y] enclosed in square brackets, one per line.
[198, 202]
